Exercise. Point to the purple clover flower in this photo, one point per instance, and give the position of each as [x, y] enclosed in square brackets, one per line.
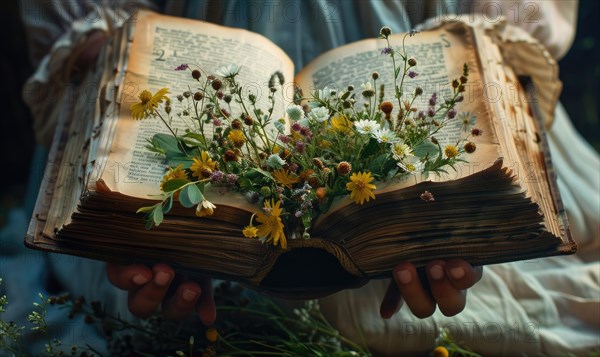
[387, 51]
[433, 100]
[284, 138]
[231, 178]
[412, 74]
[182, 67]
[217, 176]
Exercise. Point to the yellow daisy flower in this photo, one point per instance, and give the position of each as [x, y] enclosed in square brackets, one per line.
[237, 137]
[451, 151]
[285, 177]
[148, 103]
[201, 164]
[341, 124]
[174, 173]
[361, 190]
[271, 227]
[250, 231]
[205, 208]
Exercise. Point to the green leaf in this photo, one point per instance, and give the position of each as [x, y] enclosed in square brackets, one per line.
[175, 161]
[145, 209]
[373, 147]
[157, 215]
[190, 196]
[174, 184]
[254, 173]
[425, 149]
[194, 139]
[167, 143]
[169, 204]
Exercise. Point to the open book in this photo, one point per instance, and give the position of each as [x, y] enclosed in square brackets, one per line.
[501, 205]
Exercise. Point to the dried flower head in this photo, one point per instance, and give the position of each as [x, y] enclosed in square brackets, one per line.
[470, 147]
[427, 196]
[386, 107]
[344, 168]
[385, 32]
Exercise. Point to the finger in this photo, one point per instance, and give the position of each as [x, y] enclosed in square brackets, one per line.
[461, 274]
[144, 301]
[183, 302]
[128, 277]
[206, 308]
[416, 297]
[392, 301]
[450, 300]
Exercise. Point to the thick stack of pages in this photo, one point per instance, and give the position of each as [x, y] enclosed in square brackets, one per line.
[502, 205]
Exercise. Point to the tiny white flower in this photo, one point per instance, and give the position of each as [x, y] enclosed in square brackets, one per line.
[385, 135]
[295, 112]
[319, 114]
[205, 208]
[274, 161]
[366, 86]
[228, 71]
[365, 126]
[279, 125]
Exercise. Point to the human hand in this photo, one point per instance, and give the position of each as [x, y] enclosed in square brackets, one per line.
[445, 286]
[147, 288]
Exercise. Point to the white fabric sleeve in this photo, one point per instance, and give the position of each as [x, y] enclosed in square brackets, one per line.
[57, 33]
[552, 22]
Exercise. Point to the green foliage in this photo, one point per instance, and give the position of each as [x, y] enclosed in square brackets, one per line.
[248, 327]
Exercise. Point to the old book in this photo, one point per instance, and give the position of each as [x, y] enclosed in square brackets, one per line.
[501, 205]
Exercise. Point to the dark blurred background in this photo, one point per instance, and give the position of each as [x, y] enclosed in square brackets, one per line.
[580, 73]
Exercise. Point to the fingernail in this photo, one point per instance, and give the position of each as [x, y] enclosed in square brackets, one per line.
[404, 276]
[139, 279]
[161, 278]
[457, 273]
[189, 295]
[436, 272]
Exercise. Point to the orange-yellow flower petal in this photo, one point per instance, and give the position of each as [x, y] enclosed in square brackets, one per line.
[148, 103]
[203, 163]
[271, 226]
[285, 177]
[250, 231]
[361, 190]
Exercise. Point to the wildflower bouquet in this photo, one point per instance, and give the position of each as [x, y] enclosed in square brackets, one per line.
[333, 144]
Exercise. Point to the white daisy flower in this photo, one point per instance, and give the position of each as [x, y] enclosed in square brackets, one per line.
[385, 135]
[319, 114]
[365, 126]
[228, 71]
[400, 150]
[411, 164]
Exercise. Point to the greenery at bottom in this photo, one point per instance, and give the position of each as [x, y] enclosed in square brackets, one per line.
[247, 325]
